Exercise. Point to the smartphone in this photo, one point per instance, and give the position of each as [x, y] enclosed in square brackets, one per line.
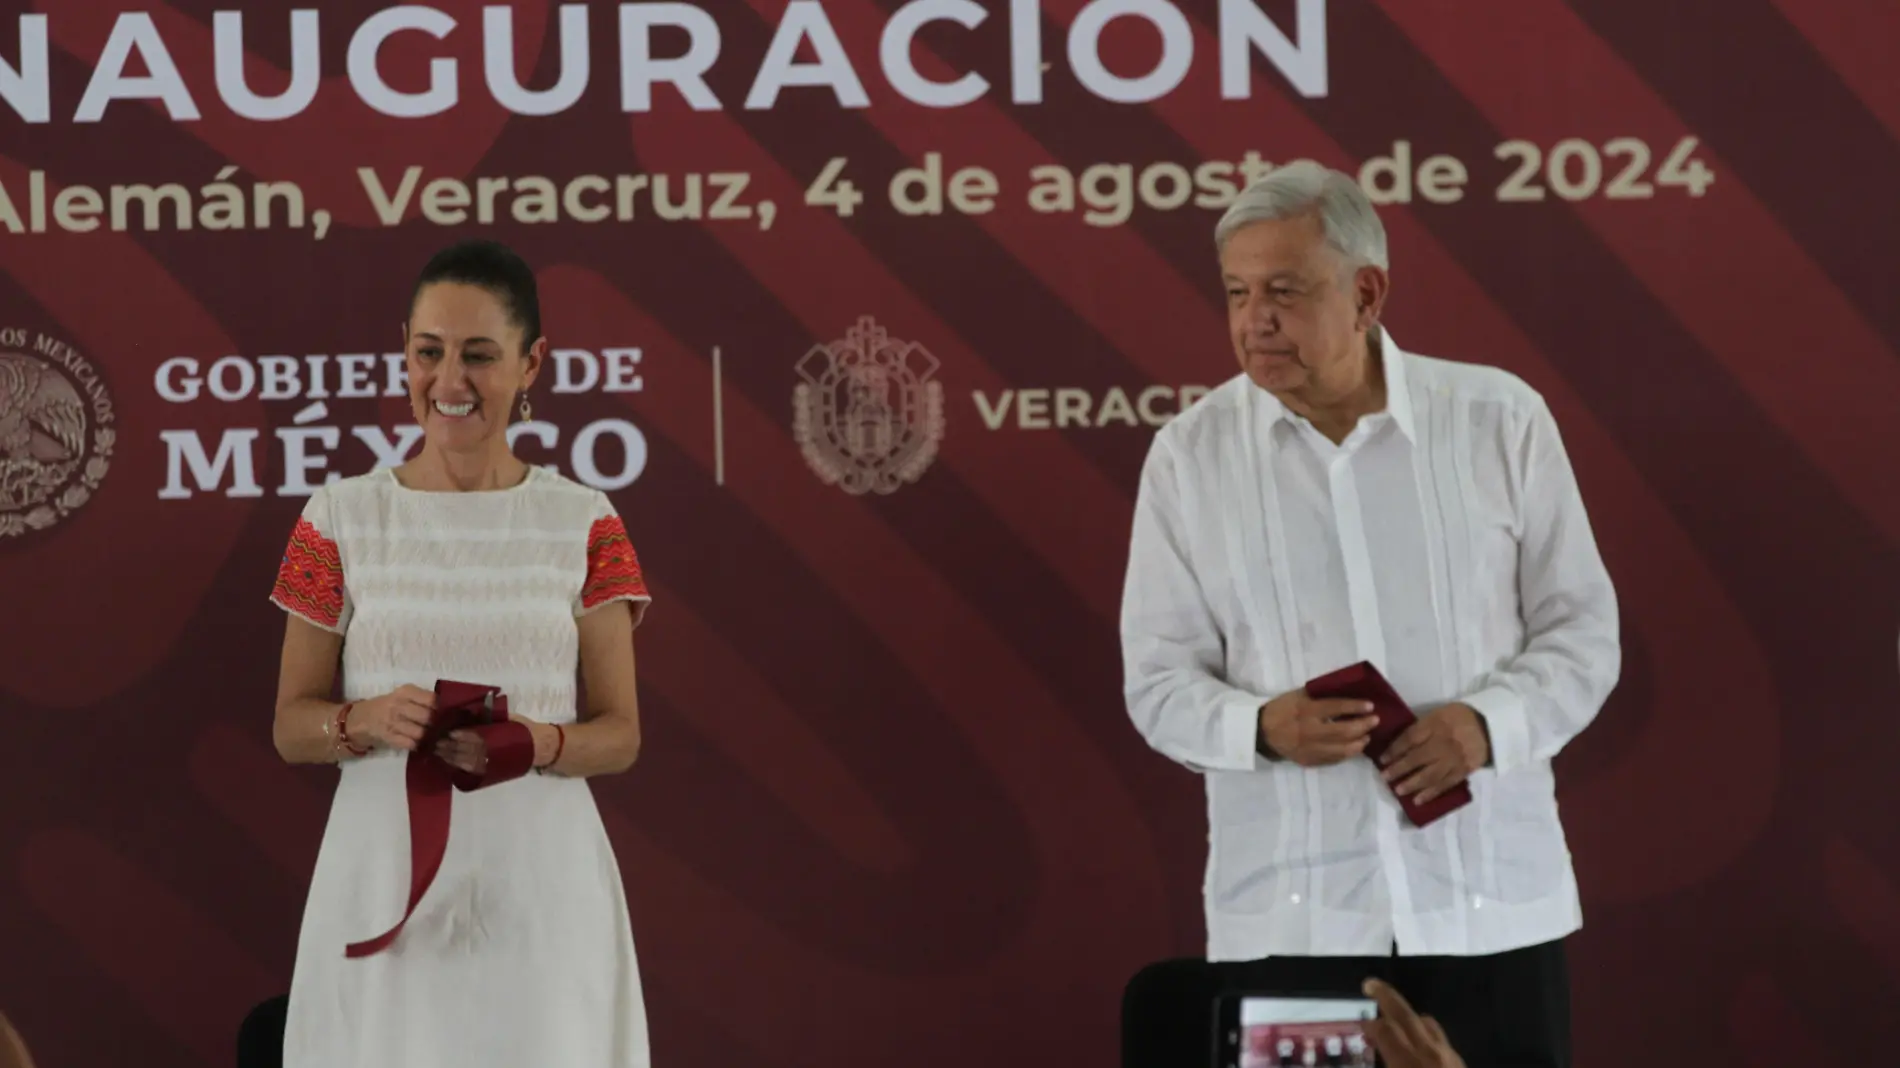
[1281, 1031]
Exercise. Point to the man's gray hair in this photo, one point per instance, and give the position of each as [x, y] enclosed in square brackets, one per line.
[1301, 187]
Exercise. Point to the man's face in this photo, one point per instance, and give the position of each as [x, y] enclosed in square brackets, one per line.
[1294, 313]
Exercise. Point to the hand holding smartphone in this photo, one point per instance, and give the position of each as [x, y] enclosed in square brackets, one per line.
[1276, 1031]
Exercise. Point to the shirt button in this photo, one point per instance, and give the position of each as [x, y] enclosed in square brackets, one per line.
[1477, 902]
[1296, 899]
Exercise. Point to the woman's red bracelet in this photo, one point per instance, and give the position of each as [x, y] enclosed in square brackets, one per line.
[343, 730]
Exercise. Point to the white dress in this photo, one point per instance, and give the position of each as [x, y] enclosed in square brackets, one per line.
[521, 952]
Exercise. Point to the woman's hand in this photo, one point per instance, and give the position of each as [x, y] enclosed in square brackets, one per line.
[466, 751]
[395, 720]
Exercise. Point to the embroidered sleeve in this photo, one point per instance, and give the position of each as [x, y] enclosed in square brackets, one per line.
[613, 569]
[310, 578]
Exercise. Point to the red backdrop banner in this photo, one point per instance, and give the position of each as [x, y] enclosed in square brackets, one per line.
[891, 808]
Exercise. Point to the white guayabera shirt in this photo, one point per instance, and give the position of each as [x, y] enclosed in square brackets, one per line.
[1446, 542]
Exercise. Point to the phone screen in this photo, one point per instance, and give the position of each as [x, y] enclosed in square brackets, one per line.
[1258, 1031]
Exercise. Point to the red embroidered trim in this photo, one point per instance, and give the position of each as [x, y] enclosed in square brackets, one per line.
[612, 568]
[310, 579]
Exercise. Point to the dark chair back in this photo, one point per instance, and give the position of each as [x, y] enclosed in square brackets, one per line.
[261, 1037]
[1168, 1015]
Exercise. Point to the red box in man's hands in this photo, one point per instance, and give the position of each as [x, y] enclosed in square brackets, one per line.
[1363, 682]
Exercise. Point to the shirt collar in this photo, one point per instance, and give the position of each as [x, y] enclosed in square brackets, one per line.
[1398, 391]
[1398, 394]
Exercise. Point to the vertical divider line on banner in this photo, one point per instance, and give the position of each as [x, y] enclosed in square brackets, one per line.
[719, 425]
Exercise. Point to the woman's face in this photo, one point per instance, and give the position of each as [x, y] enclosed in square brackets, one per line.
[467, 365]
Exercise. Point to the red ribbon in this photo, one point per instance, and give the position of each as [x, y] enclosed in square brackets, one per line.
[458, 706]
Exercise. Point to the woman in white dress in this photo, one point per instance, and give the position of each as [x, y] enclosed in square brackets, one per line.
[468, 565]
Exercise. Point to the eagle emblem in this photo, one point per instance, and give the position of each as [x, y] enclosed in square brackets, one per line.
[53, 454]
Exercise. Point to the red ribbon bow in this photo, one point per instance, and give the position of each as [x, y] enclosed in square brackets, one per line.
[458, 706]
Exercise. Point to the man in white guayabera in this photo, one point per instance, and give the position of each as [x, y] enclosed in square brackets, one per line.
[1345, 500]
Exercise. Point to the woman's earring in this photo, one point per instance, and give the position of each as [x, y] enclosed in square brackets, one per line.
[527, 411]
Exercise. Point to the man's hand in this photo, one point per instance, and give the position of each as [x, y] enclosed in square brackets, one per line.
[1403, 1038]
[1437, 752]
[1312, 732]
